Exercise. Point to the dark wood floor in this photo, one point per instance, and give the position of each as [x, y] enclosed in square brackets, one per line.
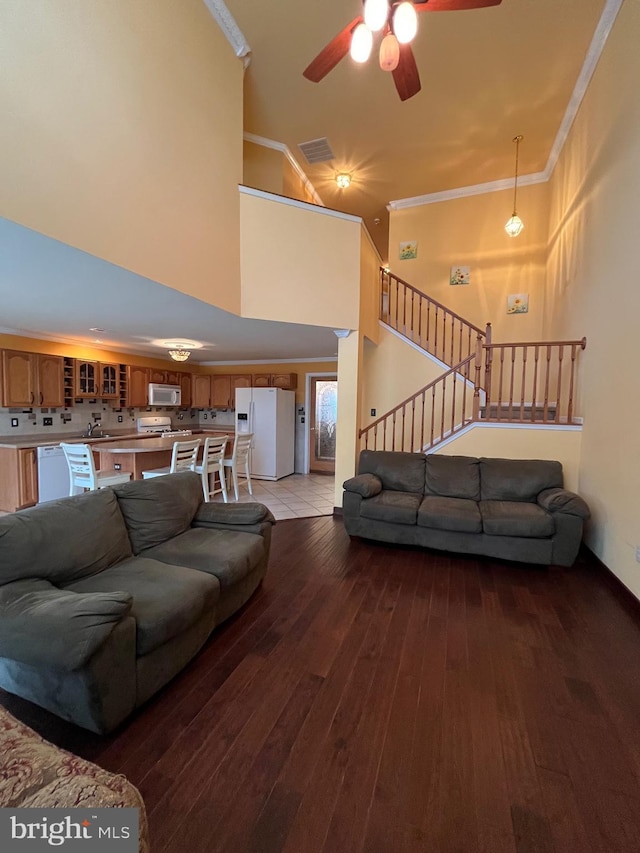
[377, 699]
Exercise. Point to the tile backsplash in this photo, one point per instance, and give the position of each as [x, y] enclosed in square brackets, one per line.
[75, 420]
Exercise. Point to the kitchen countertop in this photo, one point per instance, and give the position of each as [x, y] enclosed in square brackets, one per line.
[43, 439]
[152, 444]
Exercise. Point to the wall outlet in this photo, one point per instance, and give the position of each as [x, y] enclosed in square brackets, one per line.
[47, 422]
[205, 416]
[637, 553]
[373, 413]
[14, 422]
[117, 466]
[119, 419]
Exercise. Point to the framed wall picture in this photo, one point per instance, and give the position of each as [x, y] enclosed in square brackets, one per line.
[408, 250]
[518, 303]
[460, 275]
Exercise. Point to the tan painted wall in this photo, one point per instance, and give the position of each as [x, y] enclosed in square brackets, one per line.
[298, 265]
[292, 184]
[470, 231]
[350, 356]
[594, 258]
[369, 288]
[522, 443]
[262, 167]
[125, 138]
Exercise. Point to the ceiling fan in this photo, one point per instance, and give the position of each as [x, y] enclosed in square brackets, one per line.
[398, 22]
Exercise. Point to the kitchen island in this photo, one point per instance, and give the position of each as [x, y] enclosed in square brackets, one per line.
[144, 454]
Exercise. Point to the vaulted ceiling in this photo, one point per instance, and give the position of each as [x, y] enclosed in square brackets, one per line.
[487, 75]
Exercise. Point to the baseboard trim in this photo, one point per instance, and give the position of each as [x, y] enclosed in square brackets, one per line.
[618, 587]
[337, 511]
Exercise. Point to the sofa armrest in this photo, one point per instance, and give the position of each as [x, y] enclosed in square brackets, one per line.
[236, 514]
[562, 500]
[42, 625]
[365, 485]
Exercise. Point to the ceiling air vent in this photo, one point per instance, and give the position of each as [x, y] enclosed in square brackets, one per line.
[317, 150]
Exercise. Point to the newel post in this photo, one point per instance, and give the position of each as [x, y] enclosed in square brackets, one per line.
[476, 381]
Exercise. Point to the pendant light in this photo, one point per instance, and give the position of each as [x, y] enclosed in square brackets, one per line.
[515, 225]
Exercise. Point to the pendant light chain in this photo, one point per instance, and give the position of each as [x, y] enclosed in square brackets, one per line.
[517, 140]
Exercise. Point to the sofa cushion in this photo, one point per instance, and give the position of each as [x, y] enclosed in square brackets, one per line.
[159, 508]
[365, 485]
[166, 599]
[65, 539]
[42, 625]
[456, 514]
[394, 507]
[516, 518]
[452, 476]
[517, 479]
[227, 554]
[396, 470]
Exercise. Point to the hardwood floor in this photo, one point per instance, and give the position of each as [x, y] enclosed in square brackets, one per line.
[371, 699]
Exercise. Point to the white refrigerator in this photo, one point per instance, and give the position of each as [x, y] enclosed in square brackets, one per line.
[269, 413]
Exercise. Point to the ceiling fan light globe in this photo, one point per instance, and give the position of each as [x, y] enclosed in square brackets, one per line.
[375, 14]
[361, 43]
[389, 53]
[514, 225]
[405, 22]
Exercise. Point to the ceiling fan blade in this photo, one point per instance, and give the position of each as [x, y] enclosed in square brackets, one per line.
[452, 5]
[331, 55]
[406, 76]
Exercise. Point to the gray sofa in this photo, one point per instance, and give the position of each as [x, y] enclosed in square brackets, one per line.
[105, 596]
[515, 509]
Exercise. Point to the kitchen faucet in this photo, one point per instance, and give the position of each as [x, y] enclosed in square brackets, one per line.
[91, 427]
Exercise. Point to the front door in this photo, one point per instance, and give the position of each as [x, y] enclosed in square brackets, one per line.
[323, 416]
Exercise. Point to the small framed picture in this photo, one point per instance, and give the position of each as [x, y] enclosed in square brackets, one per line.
[460, 275]
[408, 250]
[518, 303]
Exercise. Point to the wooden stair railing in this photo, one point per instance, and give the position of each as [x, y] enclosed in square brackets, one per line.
[529, 383]
[427, 323]
[441, 408]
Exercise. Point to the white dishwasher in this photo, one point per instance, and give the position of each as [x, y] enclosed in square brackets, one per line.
[53, 473]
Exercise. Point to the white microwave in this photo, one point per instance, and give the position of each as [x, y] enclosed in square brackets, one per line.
[164, 395]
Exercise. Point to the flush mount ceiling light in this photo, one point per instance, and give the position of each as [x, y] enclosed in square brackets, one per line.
[514, 225]
[343, 180]
[180, 350]
[397, 22]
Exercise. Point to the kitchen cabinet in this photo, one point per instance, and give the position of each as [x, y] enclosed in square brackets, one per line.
[137, 390]
[18, 479]
[200, 390]
[96, 379]
[185, 385]
[32, 379]
[164, 377]
[287, 381]
[220, 392]
[108, 379]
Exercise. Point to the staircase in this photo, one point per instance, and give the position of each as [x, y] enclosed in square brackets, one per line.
[532, 382]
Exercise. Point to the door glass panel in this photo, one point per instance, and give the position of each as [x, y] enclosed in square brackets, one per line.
[326, 417]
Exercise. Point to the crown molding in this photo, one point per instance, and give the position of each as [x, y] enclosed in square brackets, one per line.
[605, 24]
[474, 189]
[280, 146]
[232, 32]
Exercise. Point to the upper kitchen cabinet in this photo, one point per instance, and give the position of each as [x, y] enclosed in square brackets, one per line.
[165, 377]
[220, 392]
[200, 390]
[137, 387]
[287, 381]
[32, 379]
[96, 379]
[185, 385]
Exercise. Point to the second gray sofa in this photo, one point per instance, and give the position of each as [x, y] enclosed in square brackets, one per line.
[104, 597]
[516, 509]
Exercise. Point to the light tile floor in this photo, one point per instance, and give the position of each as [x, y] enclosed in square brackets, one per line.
[295, 496]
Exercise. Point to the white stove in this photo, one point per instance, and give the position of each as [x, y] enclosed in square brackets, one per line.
[159, 425]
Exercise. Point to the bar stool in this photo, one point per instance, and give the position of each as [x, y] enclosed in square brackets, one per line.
[82, 470]
[239, 461]
[183, 458]
[212, 464]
